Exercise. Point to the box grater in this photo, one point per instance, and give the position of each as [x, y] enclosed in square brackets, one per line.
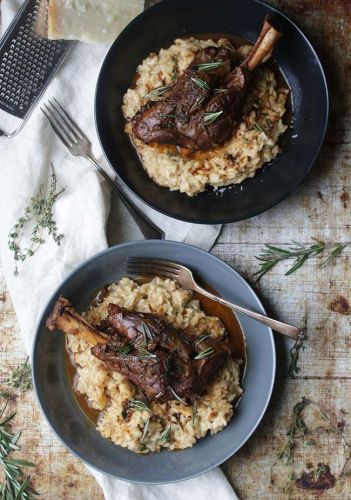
[28, 62]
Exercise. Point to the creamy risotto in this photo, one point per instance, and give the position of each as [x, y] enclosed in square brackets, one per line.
[171, 425]
[254, 143]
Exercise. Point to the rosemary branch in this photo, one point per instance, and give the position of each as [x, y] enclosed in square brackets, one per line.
[299, 252]
[15, 486]
[40, 212]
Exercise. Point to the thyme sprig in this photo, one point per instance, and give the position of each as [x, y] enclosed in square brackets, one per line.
[299, 252]
[297, 429]
[201, 83]
[210, 66]
[293, 368]
[211, 117]
[40, 213]
[15, 486]
[21, 377]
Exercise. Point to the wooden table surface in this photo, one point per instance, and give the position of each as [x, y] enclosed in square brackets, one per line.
[320, 208]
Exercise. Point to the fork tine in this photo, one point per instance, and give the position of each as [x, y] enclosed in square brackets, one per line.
[68, 119]
[143, 266]
[59, 132]
[151, 272]
[146, 261]
[62, 123]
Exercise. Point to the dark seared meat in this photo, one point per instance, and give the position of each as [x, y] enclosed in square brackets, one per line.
[174, 366]
[185, 117]
[157, 358]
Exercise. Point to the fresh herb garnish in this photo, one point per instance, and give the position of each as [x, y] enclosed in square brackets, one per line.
[218, 91]
[209, 66]
[14, 486]
[194, 412]
[146, 426]
[145, 354]
[147, 332]
[201, 83]
[204, 354]
[211, 117]
[158, 91]
[125, 350]
[198, 101]
[202, 338]
[257, 127]
[294, 369]
[21, 377]
[272, 255]
[138, 405]
[39, 212]
[296, 430]
[165, 434]
[178, 397]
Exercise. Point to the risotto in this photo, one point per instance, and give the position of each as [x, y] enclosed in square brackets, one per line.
[254, 142]
[171, 425]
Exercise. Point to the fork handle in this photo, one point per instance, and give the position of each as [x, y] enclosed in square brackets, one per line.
[149, 230]
[289, 330]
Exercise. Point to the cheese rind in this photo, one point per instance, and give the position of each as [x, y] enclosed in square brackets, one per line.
[90, 20]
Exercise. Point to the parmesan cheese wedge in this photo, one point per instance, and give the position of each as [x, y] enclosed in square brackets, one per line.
[90, 20]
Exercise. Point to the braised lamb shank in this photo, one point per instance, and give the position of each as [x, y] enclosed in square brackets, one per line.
[203, 107]
[161, 361]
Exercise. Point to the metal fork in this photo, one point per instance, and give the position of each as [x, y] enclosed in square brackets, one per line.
[141, 266]
[79, 145]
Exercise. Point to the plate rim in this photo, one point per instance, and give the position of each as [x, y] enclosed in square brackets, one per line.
[43, 314]
[253, 212]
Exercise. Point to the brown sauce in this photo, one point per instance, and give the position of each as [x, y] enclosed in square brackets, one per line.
[211, 308]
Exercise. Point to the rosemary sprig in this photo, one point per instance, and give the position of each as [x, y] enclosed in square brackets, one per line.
[21, 377]
[202, 338]
[14, 486]
[178, 397]
[296, 430]
[293, 368]
[146, 426]
[39, 212]
[334, 253]
[204, 354]
[149, 336]
[194, 412]
[165, 434]
[138, 405]
[211, 117]
[125, 350]
[158, 91]
[218, 91]
[272, 255]
[145, 354]
[210, 66]
[257, 127]
[201, 83]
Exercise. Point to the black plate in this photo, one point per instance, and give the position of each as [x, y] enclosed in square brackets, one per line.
[156, 28]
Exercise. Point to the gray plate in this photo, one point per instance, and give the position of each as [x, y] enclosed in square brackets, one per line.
[67, 420]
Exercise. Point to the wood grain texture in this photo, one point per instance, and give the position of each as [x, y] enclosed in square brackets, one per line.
[319, 208]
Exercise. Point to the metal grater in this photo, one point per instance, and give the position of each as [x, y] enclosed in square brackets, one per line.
[28, 62]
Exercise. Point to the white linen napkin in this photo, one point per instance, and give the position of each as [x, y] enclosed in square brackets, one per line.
[81, 213]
